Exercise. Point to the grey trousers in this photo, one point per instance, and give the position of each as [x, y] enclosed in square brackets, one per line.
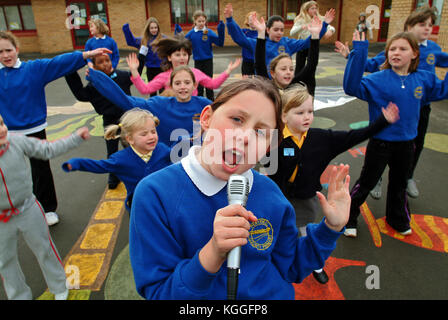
[31, 223]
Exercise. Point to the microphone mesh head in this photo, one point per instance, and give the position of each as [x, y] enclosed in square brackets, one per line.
[237, 189]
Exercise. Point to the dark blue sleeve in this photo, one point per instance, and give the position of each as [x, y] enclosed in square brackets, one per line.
[130, 39]
[115, 54]
[59, 66]
[436, 89]
[354, 70]
[374, 64]
[441, 59]
[238, 36]
[112, 91]
[219, 41]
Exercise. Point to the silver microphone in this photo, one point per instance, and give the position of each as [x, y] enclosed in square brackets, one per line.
[237, 193]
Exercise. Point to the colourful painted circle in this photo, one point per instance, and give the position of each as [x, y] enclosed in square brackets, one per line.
[323, 123]
[358, 125]
[437, 142]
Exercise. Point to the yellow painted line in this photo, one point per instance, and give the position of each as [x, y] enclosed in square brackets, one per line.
[425, 239]
[87, 263]
[442, 236]
[372, 225]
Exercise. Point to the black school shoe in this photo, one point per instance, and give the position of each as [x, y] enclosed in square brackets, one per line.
[321, 277]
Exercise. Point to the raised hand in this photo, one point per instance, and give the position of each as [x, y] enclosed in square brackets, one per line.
[314, 27]
[132, 61]
[258, 25]
[391, 113]
[342, 49]
[233, 65]
[228, 10]
[359, 37]
[329, 15]
[96, 52]
[337, 208]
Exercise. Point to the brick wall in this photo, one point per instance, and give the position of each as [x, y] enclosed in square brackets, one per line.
[52, 34]
[350, 17]
[400, 10]
[121, 12]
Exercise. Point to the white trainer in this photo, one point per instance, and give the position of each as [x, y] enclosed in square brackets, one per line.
[411, 189]
[351, 232]
[51, 217]
[376, 192]
[407, 232]
[61, 296]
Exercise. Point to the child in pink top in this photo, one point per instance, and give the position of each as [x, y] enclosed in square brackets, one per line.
[174, 52]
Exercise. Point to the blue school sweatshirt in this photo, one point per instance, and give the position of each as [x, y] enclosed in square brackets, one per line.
[202, 43]
[152, 59]
[246, 53]
[172, 220]
[126, 165]
[104, 42]
[382, 87]
[22, 89]
[273, 49]
[431, 56]
[171, 113]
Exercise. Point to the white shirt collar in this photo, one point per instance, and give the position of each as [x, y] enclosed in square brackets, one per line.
[196, 29]
[103, 37]
[424, 43]
[16, 65]
[202, 179]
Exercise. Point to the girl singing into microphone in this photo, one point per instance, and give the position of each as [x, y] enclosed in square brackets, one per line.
[181, 225]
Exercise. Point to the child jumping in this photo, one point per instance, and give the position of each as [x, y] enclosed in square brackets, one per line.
[21, 212]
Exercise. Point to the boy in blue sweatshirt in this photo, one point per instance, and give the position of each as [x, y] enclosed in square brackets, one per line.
[182, 227]
[24, 108]
[402, 83]
[202, 39]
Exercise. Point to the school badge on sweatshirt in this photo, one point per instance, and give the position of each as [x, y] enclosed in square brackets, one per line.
[418, 92]
[204, 37]
[281, 49]
[431, 59]
[261, 234]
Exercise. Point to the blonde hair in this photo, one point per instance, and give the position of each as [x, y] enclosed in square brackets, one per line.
[294, 97]
[304, 16]
[246, 20]
[199, 13]
[101, 27]
[147, 34]
[130, 121]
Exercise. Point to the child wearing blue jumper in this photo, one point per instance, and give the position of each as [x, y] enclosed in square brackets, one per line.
[143, 156]
[182, 227]
[401, 83]
[24, 108]
[151, 34]
[21, 213]
[100, 39]
[178, 112]
[276, 43]
[420, 23]
[202, 39]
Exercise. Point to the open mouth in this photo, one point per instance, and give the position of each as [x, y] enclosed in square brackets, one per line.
[232, 158]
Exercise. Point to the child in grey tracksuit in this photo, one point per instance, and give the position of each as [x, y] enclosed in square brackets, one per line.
[20, 211]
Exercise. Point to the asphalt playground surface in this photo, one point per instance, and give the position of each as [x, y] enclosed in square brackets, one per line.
[377, 265]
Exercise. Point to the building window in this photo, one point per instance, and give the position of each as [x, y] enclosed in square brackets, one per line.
[288, 9]
[17, 17]
[182, 11]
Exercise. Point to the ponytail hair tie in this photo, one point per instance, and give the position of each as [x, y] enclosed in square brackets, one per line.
[120, 125]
